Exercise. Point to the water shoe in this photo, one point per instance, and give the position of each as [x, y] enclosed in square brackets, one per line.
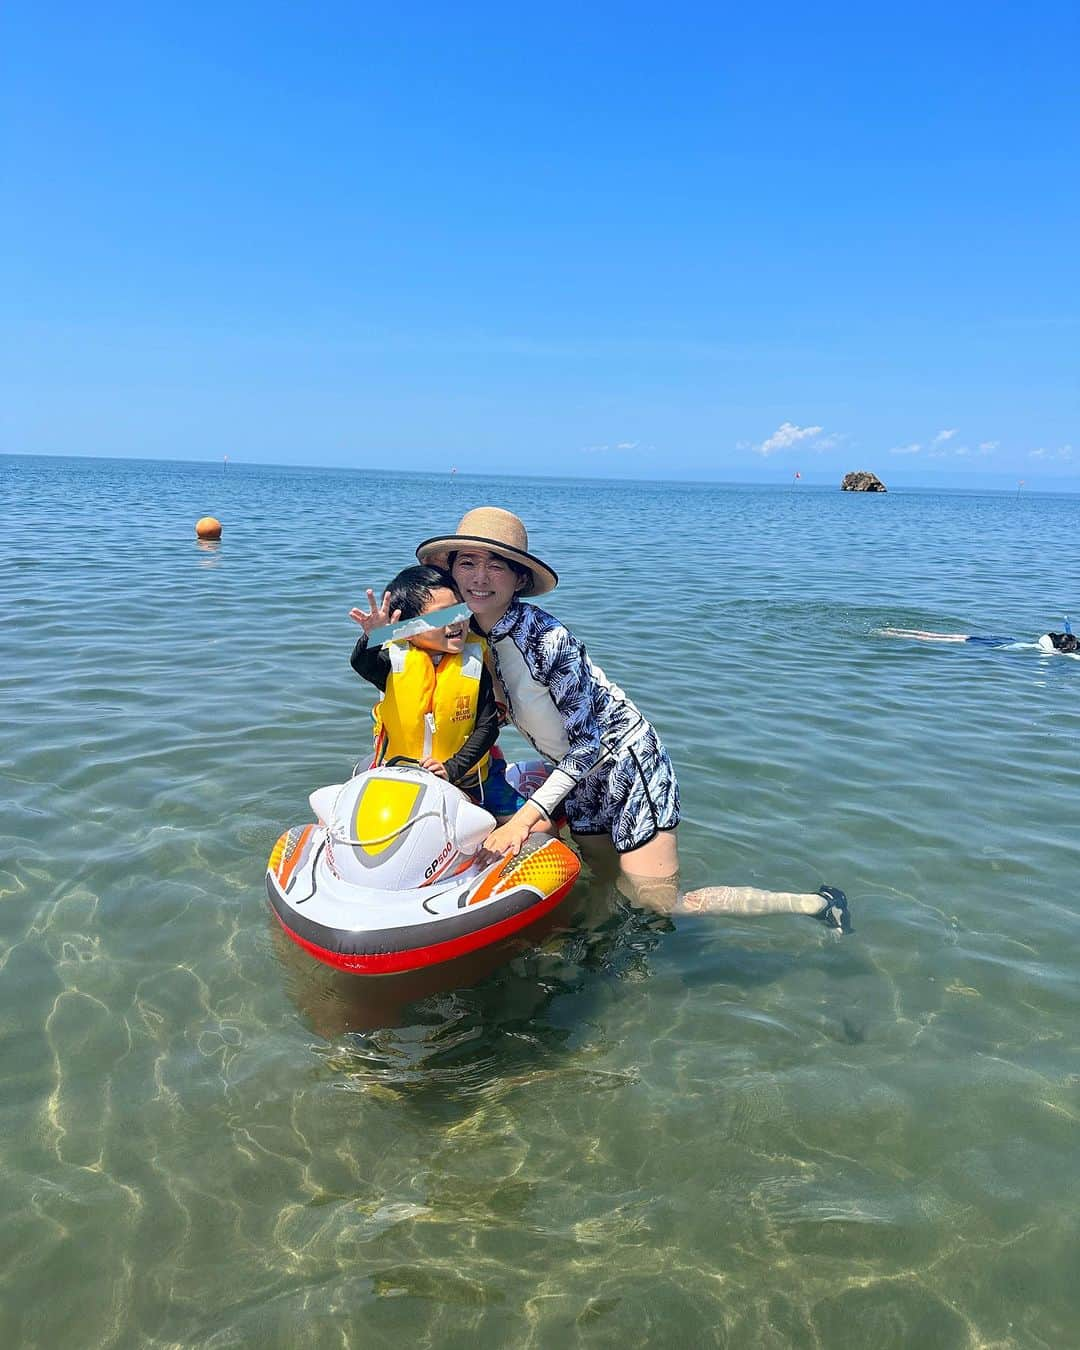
[835, 914]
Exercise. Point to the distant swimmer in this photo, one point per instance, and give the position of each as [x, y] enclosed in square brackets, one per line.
[1065, 642]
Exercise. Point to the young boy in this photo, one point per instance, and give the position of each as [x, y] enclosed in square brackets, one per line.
[438, 707]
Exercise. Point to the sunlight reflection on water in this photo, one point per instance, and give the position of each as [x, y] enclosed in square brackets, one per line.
[633, 1130]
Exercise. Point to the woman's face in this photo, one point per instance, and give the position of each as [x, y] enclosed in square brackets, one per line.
[487, 584]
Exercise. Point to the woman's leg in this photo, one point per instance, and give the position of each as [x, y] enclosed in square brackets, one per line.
[922, 635]
[599, 854]
[748, 900]
[649, 876]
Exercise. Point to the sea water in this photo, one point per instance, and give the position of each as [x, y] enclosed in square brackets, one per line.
[707, 1131]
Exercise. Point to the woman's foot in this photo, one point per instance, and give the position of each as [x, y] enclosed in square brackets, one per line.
[835, 914]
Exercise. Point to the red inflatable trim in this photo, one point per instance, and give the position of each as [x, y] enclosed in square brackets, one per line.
[395, 963]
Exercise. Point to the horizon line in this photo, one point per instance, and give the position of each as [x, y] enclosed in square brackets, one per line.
[785, 480]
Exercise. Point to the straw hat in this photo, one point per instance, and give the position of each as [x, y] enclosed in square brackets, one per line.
[498, 531]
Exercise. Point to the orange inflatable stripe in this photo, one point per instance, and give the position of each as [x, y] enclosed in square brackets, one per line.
[546, 869]
[291, 845]
[276, 852]
[488, 884]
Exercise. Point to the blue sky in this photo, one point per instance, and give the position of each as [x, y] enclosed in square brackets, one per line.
[676, 241]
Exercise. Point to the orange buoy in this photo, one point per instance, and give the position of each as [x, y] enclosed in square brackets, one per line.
[209, 527]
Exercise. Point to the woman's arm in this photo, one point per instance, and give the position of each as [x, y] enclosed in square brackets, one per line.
[555, 659]
[508, 838]
[561, 663]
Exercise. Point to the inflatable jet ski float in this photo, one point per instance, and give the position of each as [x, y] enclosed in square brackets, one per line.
[392, 877]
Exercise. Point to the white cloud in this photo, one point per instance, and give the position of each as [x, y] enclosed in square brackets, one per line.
[1037, 454]
[906, 449]
[785, 436]
[945, 435]
[1063, 454]
[627, 445]
[988, 445]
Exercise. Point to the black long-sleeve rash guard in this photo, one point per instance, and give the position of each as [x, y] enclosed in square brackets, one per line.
[374, 666]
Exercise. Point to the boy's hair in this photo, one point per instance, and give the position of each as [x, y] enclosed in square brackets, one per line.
[518, 569]
[411, 589]
[1064, 642]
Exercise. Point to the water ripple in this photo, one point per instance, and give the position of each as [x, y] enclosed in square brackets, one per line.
[635, 1131]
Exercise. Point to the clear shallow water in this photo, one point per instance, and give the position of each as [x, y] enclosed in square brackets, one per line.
[732, 1132]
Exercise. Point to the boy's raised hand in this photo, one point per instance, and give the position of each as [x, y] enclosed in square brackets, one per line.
[375, 616]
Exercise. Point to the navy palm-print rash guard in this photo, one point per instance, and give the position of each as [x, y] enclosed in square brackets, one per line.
[560, 701]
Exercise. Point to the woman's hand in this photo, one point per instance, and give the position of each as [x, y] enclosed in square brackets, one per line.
[376, 616]
[508, 838]
[435, 766]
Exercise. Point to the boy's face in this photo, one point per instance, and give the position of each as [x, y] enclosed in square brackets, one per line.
[487, 584]
[450, 639]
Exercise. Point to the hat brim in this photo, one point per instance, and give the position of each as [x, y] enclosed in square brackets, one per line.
[437, 551]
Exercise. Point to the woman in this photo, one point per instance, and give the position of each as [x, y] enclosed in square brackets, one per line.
[612, 775]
